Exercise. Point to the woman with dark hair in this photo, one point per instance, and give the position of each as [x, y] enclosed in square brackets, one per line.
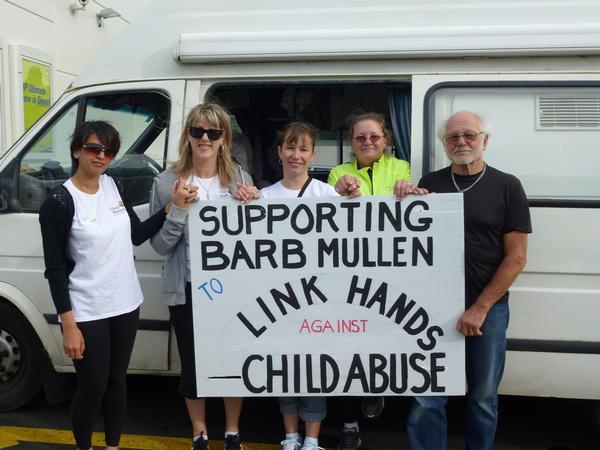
[204, 172]
[88, 229]
[296, 152]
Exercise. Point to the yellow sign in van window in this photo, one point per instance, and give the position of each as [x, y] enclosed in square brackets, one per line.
[36, 91]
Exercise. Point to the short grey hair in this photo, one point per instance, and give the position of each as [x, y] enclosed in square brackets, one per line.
[483, 123]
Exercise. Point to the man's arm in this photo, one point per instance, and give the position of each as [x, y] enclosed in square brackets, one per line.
[515, 258]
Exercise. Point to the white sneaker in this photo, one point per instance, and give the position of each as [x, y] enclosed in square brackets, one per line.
[290, 444]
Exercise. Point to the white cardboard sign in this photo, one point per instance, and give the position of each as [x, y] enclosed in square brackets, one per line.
[328, 296]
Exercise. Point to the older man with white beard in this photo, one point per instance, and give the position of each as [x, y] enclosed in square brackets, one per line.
[497, 222]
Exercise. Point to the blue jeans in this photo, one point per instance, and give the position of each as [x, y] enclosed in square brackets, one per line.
[485, 355]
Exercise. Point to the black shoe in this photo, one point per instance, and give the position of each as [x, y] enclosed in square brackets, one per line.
[372, 407]
[350, 440]
[200, 443]
[233, 442]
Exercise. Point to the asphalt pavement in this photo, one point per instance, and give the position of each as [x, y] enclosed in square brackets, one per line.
[157, 420]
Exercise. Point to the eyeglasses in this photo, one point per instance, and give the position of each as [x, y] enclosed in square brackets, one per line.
[212, 133]
[374, 138]
[97, 148]
[468, 135]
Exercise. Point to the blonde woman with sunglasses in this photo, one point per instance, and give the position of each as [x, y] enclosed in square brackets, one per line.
[205, 171]
[88, 228]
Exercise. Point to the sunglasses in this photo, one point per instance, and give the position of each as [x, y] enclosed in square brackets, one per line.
[97, 148]
[374, 138]
[468, 136]
[212, 133]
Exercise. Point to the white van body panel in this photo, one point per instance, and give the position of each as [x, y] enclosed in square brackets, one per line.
[556, 298]
[192, 52]
[268, 30]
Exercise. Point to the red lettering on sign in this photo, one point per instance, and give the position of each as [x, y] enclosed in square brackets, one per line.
[341, 326]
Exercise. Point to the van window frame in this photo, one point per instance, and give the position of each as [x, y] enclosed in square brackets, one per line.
[81, 103]
[429, 127]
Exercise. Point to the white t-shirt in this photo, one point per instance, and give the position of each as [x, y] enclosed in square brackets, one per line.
[315, 188]
[208, 189]
[104, 282]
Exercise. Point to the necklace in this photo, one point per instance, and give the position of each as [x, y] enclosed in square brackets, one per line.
[474, 182]
[204, 188]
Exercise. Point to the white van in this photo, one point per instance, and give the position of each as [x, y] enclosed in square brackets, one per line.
[532, 69]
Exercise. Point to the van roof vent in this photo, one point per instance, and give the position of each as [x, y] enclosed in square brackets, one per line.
[568, 113]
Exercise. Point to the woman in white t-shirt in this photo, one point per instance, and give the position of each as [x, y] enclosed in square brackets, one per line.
[296, 153]
[88, 228]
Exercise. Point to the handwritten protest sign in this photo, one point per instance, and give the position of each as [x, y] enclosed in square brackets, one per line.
[328, 296]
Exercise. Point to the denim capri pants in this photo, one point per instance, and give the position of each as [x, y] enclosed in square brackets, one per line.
[310, 409]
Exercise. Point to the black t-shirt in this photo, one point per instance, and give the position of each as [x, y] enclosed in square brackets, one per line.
[496, 205]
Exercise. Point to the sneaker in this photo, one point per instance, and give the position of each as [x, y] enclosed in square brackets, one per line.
[350, 440]
[200, 443]
[314, 447]
[372, 407]
[290, 444]
[233, 442]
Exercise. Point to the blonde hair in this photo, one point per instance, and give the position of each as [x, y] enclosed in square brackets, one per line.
[217, 117]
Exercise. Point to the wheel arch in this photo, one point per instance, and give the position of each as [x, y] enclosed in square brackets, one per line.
[15, 298]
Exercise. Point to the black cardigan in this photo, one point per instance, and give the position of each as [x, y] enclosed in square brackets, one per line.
[56, 218]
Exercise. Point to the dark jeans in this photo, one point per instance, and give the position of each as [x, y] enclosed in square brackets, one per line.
[101, 376]
[485, 355]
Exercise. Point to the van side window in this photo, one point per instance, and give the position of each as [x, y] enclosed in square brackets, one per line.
[260, 110]
[141, 119]
[47, 163]
[546, 136]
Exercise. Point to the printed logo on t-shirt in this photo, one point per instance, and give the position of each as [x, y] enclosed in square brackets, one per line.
[224, 193]
[88, 220]
[119, 209]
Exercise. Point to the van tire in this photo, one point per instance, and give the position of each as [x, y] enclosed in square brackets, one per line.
[21, 360]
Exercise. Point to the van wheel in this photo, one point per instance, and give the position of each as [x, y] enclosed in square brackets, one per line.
[21, 360]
